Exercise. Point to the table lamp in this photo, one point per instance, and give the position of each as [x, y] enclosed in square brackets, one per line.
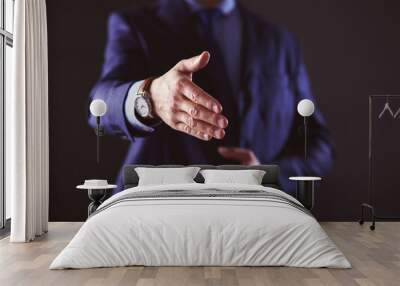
[98, 108]
[305, 108]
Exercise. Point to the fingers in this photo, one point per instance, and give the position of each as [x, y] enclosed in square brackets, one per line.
[188, 130]
[202, 128]
[193, 64]
[198, 112]
[194, 93]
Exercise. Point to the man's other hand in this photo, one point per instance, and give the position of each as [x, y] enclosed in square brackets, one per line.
[243, 156]
[183, 105]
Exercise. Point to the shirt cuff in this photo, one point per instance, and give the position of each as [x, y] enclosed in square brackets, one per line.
[130, 113]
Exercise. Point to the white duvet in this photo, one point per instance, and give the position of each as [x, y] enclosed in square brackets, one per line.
[204, 231]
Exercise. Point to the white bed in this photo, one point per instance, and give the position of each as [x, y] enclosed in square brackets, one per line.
[246, 225]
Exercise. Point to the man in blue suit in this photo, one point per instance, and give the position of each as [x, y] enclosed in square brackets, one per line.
[234, 103]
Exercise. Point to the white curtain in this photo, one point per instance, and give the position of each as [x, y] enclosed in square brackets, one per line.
[27, 143]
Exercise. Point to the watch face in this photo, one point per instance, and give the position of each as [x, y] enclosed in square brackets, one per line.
[142, 107]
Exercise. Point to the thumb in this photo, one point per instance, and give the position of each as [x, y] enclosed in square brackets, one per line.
[194, 64]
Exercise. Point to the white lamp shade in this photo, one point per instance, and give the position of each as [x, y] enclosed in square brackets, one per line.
[98, 107]
[305, 108]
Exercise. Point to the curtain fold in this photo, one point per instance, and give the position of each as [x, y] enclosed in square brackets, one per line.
[27, 143]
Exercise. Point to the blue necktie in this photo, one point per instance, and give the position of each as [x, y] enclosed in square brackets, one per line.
[217, 69]
[207, 20]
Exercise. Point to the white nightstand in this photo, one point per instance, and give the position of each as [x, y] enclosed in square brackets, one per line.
[305, 190]
[97, 195]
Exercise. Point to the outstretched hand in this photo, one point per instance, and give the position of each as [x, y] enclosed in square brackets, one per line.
[183, 105]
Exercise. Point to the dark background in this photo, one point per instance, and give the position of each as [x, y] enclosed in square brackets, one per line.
[351, 48]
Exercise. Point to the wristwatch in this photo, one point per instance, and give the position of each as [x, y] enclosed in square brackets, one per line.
[143, 104]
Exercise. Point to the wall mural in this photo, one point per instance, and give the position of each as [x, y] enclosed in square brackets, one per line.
[174, 83]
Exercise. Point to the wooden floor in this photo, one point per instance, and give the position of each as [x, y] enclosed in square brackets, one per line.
[375, 257]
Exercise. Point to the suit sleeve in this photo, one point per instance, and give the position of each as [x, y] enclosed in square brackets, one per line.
[124, 64]
[320, 148]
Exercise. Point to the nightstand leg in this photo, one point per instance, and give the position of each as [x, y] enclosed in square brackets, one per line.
[96, 197]
[305, 193]
[92, 207]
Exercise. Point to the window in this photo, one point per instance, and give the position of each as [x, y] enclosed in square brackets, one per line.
[6, 62]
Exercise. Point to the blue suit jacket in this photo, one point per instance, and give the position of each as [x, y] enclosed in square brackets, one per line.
[150, 40]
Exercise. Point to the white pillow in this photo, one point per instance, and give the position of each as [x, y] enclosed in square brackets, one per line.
[164, 176]
[247, 177]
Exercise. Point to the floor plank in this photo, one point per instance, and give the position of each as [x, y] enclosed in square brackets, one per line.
[375, 257]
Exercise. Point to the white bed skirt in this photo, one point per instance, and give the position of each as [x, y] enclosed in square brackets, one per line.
[200, 232]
